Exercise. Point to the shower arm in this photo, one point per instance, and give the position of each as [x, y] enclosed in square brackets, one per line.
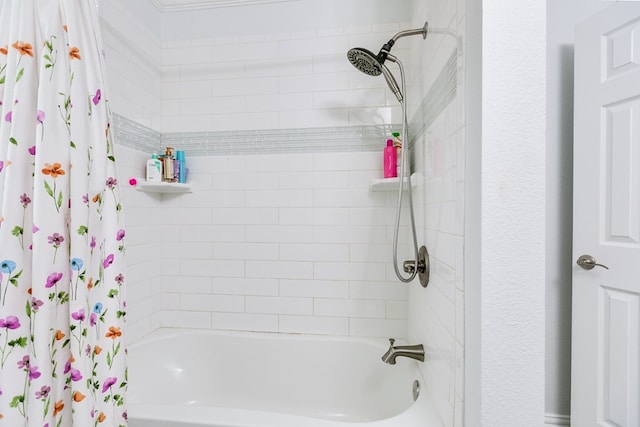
[417, 31]
[386, 48]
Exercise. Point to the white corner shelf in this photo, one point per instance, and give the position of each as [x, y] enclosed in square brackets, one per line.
[164, 187]
[392, 184]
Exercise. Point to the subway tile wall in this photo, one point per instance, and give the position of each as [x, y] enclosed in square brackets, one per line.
[290, 242]
[274, 81]
[262, 244]
[436, 315]
[295, 242]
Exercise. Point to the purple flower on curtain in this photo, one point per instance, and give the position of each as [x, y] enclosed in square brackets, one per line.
[78, 315]
[36, 304]
[67, 367]
[1, 165]
[92, 244]
[8, 116]
[111, 182]
[32, 150]
[76, 375]
[85, 199]
[25, 200]
[119, 279]
[76, 264]
[40, 116]
[108, 383]
[120, 235]
[43, 393]
[108, 261]
[93, 319]
[97, 97]
[35, 229]
[55, 240]
[10, 322]
[24, 363]
[34, 373]
[53, 280]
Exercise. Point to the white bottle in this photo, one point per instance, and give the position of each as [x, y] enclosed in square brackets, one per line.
[154, 169]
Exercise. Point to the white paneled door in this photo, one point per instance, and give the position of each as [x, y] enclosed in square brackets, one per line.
[605, 373]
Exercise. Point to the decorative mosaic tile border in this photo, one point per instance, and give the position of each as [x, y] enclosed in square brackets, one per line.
[134, 135]
[303, 140]
[441, 93]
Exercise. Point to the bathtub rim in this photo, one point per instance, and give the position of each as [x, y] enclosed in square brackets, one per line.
[421, 411]
[163, 333]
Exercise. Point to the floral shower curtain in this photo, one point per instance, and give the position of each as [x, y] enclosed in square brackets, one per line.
[62, 308]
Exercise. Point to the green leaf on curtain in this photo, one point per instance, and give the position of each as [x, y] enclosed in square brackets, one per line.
[20, 342]
[48, 189]
[17, 231]
[14, 280]
[13, 141]
[120, 314]
[73, 144]
[20, 74]
[28, 309]
[2, 79]
[16, 401]
[112, 158]
[112, 293]
[108, 359]
[60, 200]
[83, 230]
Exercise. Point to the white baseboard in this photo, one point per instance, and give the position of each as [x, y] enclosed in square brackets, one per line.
[552, 420]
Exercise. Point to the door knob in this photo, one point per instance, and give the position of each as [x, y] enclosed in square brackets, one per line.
[588, 262]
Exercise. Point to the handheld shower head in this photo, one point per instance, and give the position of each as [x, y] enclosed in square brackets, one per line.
[373, 65]
[365, 61]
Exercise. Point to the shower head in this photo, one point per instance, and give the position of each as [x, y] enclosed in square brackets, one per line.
[370, 63]
[365, 61]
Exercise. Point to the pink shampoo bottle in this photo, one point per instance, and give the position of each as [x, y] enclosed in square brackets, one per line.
[390, 160]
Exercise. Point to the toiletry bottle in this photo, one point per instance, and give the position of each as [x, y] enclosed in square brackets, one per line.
[397, 142]
[180, 171]
[168, 165]
[390, 157]
[154, 169]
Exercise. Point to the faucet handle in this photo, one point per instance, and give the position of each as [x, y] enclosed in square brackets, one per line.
[391, 341]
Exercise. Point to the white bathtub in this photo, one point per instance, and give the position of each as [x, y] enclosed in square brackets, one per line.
[202, 378]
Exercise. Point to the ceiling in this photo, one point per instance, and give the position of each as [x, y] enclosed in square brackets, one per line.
[180, 5]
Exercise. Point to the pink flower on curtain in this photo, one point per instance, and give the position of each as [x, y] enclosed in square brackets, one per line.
[108, 261]
[53, 280]
[97, 97]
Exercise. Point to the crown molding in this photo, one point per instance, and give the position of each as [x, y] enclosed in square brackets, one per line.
[186, 5]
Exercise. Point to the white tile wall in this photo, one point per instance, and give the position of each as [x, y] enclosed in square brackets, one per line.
[283, 258]
[436, 315]
[294, 242]
[288, 80]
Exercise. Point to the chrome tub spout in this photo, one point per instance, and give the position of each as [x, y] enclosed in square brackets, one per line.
[411, 351]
